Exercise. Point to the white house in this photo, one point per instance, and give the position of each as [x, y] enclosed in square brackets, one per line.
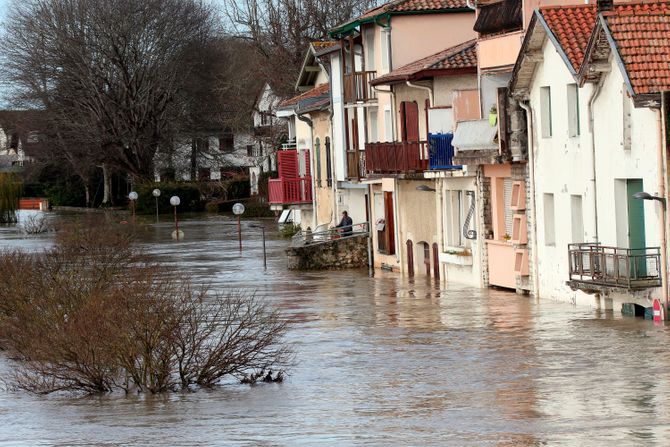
[590, 151]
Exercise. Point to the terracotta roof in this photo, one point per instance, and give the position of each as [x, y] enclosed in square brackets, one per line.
[461, 56]
[641, 32]
[313, 93]
[572, 27]
[402, 7]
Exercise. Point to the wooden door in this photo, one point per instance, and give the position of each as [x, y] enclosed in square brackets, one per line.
[390, 223]
[409, 117]
[636, 236]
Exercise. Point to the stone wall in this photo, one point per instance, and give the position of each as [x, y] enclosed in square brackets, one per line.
[350, 252]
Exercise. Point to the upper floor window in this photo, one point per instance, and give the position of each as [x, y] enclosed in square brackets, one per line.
[545, 111]
[386, 49]
[370, 49]
[573, 110]
[227, 141]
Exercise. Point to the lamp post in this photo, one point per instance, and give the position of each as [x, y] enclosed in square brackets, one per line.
[156, 193]
[265, 257]
[133, 197]
[176, 234]
[238, 209]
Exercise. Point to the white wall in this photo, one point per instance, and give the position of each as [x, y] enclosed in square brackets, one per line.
[563, 167]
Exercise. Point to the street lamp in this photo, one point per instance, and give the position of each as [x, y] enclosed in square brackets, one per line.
[133, 197]
[646, 196]
[238, 209]
[424, 188]
[156, 193]
[177, 233]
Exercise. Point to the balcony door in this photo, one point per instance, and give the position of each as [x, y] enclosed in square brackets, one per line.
[409, 120]
[636, 237]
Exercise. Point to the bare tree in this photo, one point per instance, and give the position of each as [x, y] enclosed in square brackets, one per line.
[109, 72]
[281, 29]
[94, 315]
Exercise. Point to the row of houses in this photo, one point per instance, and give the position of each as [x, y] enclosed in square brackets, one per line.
[495, 143]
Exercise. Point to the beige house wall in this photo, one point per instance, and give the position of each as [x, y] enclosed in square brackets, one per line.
[417, 36]
[323, 193]
[444, 87]
[417, 219]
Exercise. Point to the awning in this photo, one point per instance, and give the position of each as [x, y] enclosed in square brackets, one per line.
[476, 135]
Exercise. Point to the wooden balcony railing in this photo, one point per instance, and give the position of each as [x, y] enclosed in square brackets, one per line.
[355, 164]
[290, 191]
[627, 268]
[396, 157]
[441, 151]
[357, 86]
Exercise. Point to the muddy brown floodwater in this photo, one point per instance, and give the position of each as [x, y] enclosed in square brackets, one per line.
[381, 361]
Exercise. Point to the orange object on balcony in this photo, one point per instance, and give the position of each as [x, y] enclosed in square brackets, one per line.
[357, 86]
[396, 157]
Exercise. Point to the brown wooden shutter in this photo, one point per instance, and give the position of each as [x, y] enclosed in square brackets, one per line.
[390, 224]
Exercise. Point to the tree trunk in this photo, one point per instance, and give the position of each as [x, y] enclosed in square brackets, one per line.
[106, 185]
[194, 158]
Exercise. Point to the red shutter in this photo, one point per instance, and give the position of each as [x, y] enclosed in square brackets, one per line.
[411, 121]
[288, 164]
[308, 170]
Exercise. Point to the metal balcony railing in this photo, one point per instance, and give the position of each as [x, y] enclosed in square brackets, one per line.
[290, 191]
[396, 157]
[441, 151]
[357, 86]
[629, 268]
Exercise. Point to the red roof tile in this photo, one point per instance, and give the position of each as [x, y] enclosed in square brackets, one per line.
[457, 57]
[572, 27]
[313, 93]
[641, 32]
[321, 44]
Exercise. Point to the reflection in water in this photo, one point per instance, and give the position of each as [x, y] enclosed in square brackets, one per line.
[381, 361]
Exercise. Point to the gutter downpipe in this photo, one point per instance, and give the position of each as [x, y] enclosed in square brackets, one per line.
[533, 209]
[423, 87]
[594, 95]
[662, 171]
[310, 123]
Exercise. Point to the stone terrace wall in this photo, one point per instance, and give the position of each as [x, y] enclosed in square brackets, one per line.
[350, 252]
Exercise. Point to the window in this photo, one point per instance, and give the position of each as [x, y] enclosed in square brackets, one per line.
[373, 137]
[250, 150]
[577, 218]
[388, 125]
[573, 110]
[545, 111]
[386, 49]
[549, 222]
[227, 141]
[370, 49]
[385, 222]
[627, 142]
[456, 210]
[204, 174]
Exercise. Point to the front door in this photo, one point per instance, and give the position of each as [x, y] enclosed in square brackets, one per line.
[636, 237]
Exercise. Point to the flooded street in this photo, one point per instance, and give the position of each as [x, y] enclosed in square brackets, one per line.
[380, 361]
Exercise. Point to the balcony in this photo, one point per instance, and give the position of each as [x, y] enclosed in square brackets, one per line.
[355, 164]
[357, 87]
[441, 152]
[396, 158]
[596, 268]
[290, 191]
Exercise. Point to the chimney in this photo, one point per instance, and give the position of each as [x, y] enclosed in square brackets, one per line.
[605, 5]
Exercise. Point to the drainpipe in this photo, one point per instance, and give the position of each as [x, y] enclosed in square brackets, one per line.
[423, 87]
[533, 208]
[309, 122]
[594, 95]
[662, 160]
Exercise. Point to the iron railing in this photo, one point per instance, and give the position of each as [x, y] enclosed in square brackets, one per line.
[396, 157]
[357, 86]
[308, 237]
[441, 151]
[629, 268]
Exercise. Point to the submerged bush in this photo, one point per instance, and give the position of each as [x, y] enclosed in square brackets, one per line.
[95, 315]
[10, 190]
